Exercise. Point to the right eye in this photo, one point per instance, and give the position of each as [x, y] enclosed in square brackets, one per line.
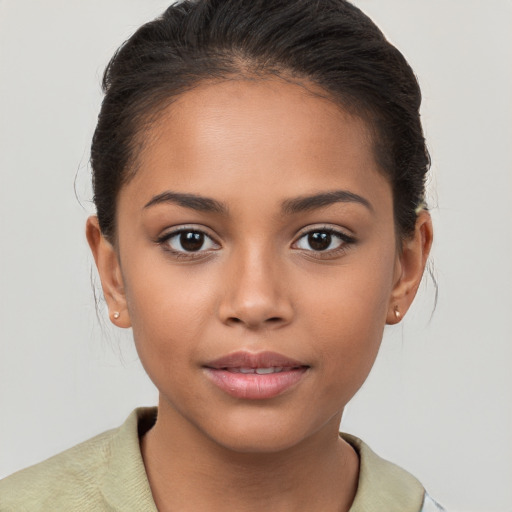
[188, 241]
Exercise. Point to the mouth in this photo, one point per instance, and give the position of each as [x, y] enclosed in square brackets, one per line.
[261, 371]
[255, 376]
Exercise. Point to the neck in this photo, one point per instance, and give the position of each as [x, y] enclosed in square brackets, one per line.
[189, 471]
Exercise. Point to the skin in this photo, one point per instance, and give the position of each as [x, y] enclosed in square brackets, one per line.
[257, 285]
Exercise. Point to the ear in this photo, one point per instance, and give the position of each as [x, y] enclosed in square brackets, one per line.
[109, 270]
[410, 266]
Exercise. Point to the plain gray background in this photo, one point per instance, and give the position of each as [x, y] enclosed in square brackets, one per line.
[438, 401]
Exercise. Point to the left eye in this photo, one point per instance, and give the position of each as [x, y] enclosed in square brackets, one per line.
[190, 241]
[322, 240]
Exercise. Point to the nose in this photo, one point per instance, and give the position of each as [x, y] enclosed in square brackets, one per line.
[256, 294]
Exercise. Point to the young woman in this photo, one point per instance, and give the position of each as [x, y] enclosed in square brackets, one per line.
[258, 173]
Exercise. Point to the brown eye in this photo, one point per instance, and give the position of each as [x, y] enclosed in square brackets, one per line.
[323, 240]
[319, 240]
[189, 241]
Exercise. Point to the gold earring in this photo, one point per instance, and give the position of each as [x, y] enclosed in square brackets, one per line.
[116, 315]
[398, 315]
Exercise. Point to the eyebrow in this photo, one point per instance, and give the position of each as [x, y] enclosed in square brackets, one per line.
[192, 201]
[322, 199]
[289, 206]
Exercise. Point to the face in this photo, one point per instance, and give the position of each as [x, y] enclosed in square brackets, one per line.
[256, 261]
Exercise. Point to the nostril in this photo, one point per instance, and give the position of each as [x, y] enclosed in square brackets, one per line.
[272, 320]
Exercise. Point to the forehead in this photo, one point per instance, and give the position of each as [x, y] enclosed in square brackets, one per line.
[254, 136]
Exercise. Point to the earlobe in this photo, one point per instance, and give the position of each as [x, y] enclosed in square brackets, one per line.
[410, 267]
[107, 263]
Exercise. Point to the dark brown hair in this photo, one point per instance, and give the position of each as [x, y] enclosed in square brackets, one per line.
[328, 43]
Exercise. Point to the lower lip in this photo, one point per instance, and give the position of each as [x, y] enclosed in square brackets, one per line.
[252, 386]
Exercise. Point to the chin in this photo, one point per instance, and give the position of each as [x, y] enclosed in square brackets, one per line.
[262, 433]
[254, 443]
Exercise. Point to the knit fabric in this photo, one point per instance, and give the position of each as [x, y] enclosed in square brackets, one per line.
[107, 473]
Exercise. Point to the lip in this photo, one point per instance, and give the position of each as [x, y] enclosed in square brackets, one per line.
[225, 374]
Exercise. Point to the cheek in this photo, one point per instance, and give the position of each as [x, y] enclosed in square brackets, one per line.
[170, 307]
[347, 318]
[351, 299]
[167, 322]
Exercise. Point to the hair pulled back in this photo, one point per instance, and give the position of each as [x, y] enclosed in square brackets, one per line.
[329, 43]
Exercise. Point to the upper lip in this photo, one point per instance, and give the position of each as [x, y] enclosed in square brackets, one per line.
[244, 359]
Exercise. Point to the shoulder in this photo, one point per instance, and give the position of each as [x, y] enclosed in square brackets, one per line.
[70, 474]
[385, 486]
[82, 478]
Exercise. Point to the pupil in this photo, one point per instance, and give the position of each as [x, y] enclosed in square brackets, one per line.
[191, 240]
[319, 241]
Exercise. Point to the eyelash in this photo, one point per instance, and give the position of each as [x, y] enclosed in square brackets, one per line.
[346, 240]
[190, 255]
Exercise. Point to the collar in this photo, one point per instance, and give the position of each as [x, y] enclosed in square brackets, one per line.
[381, 486]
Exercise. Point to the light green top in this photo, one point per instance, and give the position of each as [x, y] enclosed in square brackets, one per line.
[107, 473]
